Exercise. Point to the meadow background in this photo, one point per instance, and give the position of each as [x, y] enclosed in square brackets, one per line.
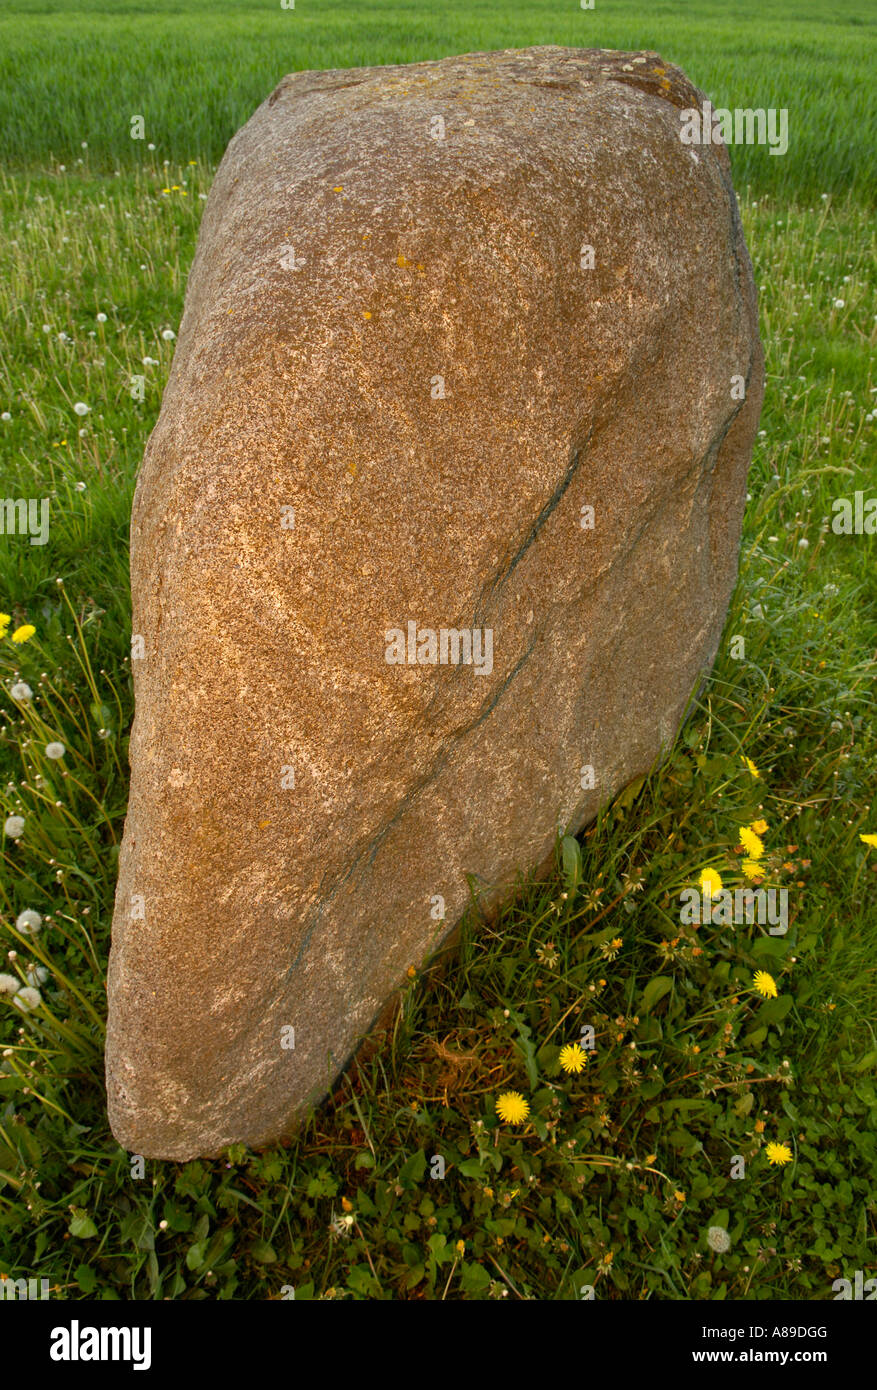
[619, 1171]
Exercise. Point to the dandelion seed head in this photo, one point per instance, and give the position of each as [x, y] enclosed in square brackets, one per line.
[28, 922]
[718, 1239]
[27, 999]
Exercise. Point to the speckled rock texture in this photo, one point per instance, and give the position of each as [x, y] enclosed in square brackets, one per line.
[399, 386]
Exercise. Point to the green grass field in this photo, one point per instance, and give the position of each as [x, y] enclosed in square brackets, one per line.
[619, 1171]
[196, 69]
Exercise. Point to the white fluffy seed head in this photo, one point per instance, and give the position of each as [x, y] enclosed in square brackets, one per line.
[28, 922]
[27, 999]
[718, 1239]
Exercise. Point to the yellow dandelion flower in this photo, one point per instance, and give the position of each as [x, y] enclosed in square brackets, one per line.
[866, 839]
[759, 826]
[751, 842]
[752, 868]
[680, 1196]
[572, 1058]
[460, 1247]
[753, 770]
[23, 634]
[512, 1108]
[711, 882]
[778, 1153]
[765, 984]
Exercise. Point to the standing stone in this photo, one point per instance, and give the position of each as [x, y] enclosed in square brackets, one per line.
[457, 365]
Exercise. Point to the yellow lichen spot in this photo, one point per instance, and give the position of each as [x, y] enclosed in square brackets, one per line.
[263, 823]
[366, 314]
[402, 260]
[339, 189]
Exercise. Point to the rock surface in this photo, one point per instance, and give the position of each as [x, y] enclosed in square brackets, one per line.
[398, 387]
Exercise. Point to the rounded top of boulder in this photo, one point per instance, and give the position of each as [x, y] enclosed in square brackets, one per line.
[548, 66]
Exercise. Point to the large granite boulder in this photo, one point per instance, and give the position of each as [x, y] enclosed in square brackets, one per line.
[441, 511]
